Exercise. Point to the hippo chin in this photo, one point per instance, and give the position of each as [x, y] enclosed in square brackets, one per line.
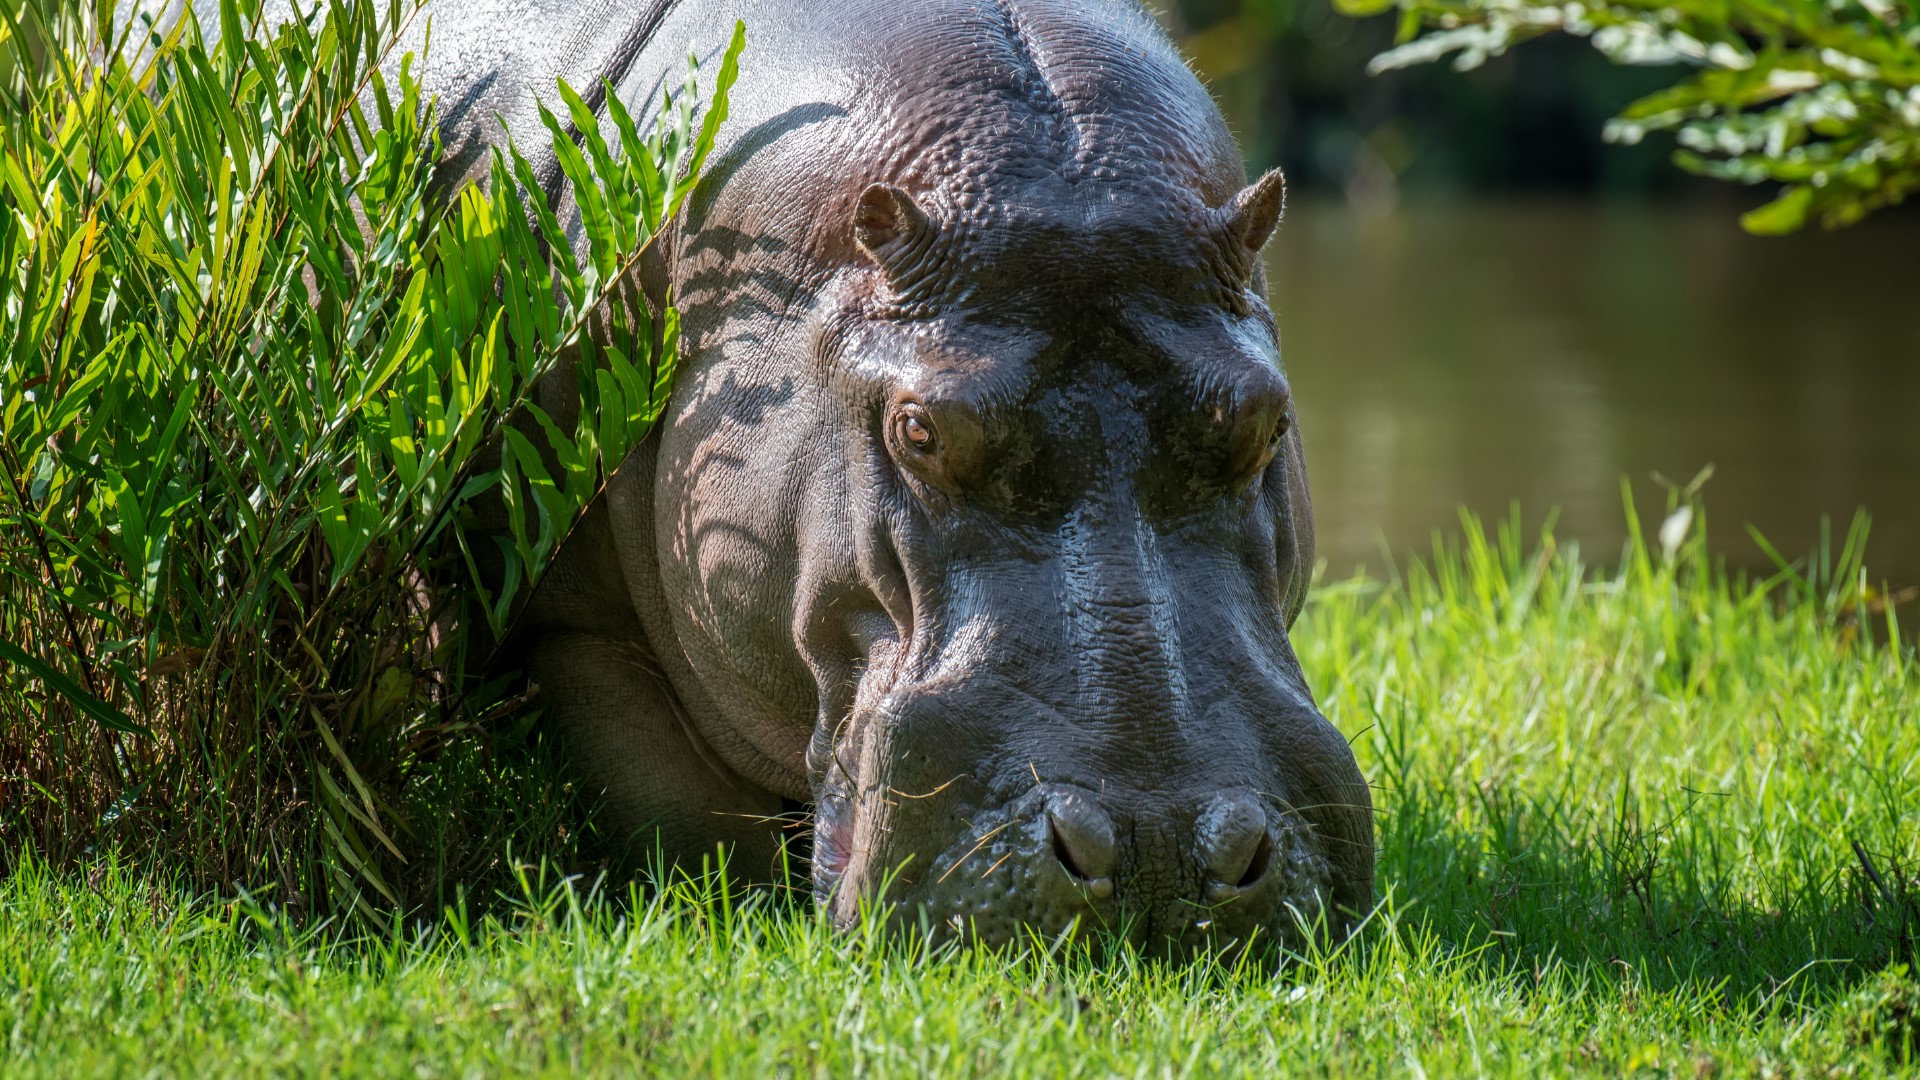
[978, 517]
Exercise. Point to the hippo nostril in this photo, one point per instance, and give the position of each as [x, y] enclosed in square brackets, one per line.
[1234, 842]
[1082, 835]
[1257, 868]
[1065, 854]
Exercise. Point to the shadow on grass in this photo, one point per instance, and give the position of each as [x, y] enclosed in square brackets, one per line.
[1641, 898]
[1645, 903]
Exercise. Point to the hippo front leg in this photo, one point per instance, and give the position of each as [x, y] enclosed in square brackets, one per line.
[628, 742]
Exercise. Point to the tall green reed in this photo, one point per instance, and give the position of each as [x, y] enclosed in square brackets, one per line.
[271, 469]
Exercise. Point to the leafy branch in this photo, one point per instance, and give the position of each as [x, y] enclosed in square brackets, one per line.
[1822, 98]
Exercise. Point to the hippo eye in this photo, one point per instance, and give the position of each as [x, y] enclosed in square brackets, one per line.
[914, 429]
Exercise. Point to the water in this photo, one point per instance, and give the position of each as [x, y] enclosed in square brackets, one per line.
[1476, 354]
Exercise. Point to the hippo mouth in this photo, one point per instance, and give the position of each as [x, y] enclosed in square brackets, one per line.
[832, 845]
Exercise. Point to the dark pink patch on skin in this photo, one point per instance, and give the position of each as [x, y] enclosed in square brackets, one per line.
[832, 839]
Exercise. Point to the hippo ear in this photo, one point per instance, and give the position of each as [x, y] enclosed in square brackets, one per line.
[1253, 213]
[892, 229]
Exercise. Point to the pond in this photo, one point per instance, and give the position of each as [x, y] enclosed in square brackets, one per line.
[1474, 354]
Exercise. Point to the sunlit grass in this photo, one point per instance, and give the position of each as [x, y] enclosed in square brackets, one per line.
[1627, 820]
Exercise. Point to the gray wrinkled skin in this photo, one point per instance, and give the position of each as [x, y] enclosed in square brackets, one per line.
[978, 519]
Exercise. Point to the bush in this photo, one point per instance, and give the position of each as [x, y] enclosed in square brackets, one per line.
[1821, 97]
[262, 378]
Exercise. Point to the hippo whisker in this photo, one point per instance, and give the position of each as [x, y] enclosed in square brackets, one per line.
[1291, 808]
[929, 794]
[980, 842]
[1203, 904]
[792, 820]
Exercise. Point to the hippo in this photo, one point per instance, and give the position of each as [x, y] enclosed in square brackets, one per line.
[977, 520]
[978, 517]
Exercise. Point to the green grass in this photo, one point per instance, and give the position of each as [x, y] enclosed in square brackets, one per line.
[1617, 834]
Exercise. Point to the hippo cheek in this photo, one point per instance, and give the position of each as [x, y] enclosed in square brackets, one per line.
[1324, 789]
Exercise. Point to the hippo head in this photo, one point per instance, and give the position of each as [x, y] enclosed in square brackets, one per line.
[1056, 687]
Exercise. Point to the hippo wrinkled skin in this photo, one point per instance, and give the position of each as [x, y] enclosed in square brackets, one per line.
[978, 516]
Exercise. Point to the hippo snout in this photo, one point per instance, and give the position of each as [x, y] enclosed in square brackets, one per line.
[1228, 867]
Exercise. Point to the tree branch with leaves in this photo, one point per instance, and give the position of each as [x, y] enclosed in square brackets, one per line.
[1822, 98]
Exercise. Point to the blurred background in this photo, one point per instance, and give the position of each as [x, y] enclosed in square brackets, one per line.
[1481, 302]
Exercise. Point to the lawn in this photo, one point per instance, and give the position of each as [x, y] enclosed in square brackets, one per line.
[1655, 819]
